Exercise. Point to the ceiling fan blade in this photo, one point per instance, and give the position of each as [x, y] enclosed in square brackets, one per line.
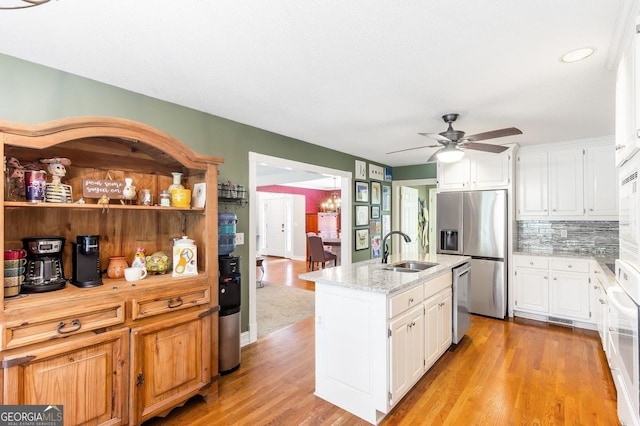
[436, 136]
[509, 131]
[433, 158]
[486, 147]
[411, 149]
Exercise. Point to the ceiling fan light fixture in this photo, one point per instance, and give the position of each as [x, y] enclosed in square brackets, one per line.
[450, 154]
[577, 55]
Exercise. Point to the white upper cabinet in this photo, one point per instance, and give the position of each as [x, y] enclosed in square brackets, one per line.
[454, 176]
[532, 175]
[478, 170]
[601, 188]
[568, 181]
[627, 100]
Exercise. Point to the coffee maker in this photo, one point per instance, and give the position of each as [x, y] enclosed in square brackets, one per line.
[44, 270]
[86, 261]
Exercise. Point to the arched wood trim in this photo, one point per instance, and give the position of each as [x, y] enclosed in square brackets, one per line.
[66, 129]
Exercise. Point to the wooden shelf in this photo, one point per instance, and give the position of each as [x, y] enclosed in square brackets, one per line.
[9, 204]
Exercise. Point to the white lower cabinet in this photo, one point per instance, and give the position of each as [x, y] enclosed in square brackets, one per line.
[532, 290]
[438, 326]
[406, 350]
[558, 288]
[371, 348]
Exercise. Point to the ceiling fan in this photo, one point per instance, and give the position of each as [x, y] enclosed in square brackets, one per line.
[452, 140]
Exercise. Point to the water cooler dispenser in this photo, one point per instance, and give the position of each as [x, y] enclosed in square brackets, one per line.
[229, 295]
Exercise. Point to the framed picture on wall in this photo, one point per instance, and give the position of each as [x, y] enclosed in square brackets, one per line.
[362, 215]
[375, 192]
[386, 224]
[386, 198]
[362, 239]
[375, 212]
[362, 192]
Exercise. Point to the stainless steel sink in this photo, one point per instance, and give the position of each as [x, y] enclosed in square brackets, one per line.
[410, 266]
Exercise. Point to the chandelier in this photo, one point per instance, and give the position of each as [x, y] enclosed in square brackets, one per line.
[332, 204]
[20, 4]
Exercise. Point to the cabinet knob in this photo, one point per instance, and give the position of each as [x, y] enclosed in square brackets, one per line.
[545, 278]
[530, 263]
[555, 279]
[569, 266]
[410, 300]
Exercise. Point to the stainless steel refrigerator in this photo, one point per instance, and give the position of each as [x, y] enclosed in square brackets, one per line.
[474, 223]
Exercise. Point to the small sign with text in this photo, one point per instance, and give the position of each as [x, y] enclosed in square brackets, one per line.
[97, 188]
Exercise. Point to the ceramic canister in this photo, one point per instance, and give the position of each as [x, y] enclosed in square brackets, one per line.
[181, 198]
[185, 257]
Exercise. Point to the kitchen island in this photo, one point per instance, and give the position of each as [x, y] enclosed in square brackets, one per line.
[378, 331]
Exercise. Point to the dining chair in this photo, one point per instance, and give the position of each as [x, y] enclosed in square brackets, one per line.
[317, 253]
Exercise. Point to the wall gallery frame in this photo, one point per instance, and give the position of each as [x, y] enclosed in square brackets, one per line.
[362, 239]
[375, 212]
[362, 215]
[375, 192]
[386, 198]
[362, 192]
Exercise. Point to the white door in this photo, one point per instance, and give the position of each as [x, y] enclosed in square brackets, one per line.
[433, 207]
[409, 219]
[275, 226]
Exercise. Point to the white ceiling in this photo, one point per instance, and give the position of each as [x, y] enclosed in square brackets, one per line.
[359, 76]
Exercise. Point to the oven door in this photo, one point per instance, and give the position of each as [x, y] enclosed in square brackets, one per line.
[623, 334]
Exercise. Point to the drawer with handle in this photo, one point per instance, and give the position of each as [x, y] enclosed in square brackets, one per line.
[405, 300]
[46, 327]
[537, 262]
[570, 265]
[169, 302]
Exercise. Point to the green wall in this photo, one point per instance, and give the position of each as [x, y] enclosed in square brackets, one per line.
[419, 171]
[32, 94]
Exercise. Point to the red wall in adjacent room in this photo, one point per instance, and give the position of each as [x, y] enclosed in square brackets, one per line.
[313, 197]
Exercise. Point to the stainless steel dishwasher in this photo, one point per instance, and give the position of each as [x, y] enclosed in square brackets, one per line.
[461, 317]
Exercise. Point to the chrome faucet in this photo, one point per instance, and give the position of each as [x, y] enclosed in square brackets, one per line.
[385, 249]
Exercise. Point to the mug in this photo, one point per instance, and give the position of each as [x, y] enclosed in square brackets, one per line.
[134, 274]
[14, 263]
[14, 254]
[14, 272]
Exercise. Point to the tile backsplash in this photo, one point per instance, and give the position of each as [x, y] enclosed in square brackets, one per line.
[596, 238]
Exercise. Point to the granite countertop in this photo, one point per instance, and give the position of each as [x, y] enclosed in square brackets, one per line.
[369, 275]
[603, 262]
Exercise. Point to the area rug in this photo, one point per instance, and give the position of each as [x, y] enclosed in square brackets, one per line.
[278, 306]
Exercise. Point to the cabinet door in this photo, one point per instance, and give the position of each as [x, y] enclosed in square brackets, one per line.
[566, 182]
[87, 376]
[170, 363]
[625, 105]
[446, 318]
[532, 184]
[601, 182]
[406, 352]
[438, 322]
[570, 295]
[490, 171]
[453, 176]
[532, 290]
[431, 330]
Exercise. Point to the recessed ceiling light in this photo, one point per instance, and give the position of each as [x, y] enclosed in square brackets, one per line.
[578, 54]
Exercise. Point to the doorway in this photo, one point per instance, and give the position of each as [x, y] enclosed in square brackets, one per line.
[413, 212]
[256, 160]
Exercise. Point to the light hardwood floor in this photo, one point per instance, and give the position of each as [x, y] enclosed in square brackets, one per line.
[502, 373]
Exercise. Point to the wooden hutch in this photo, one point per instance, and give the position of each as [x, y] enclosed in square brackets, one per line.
[122, 352]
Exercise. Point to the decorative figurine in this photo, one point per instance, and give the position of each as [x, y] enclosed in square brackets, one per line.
[16, 188]
[56, 191]
[158, 263]
[129, 192]
[139, 260]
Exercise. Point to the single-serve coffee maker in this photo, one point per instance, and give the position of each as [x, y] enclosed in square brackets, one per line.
[86, 261]
[44, 270]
